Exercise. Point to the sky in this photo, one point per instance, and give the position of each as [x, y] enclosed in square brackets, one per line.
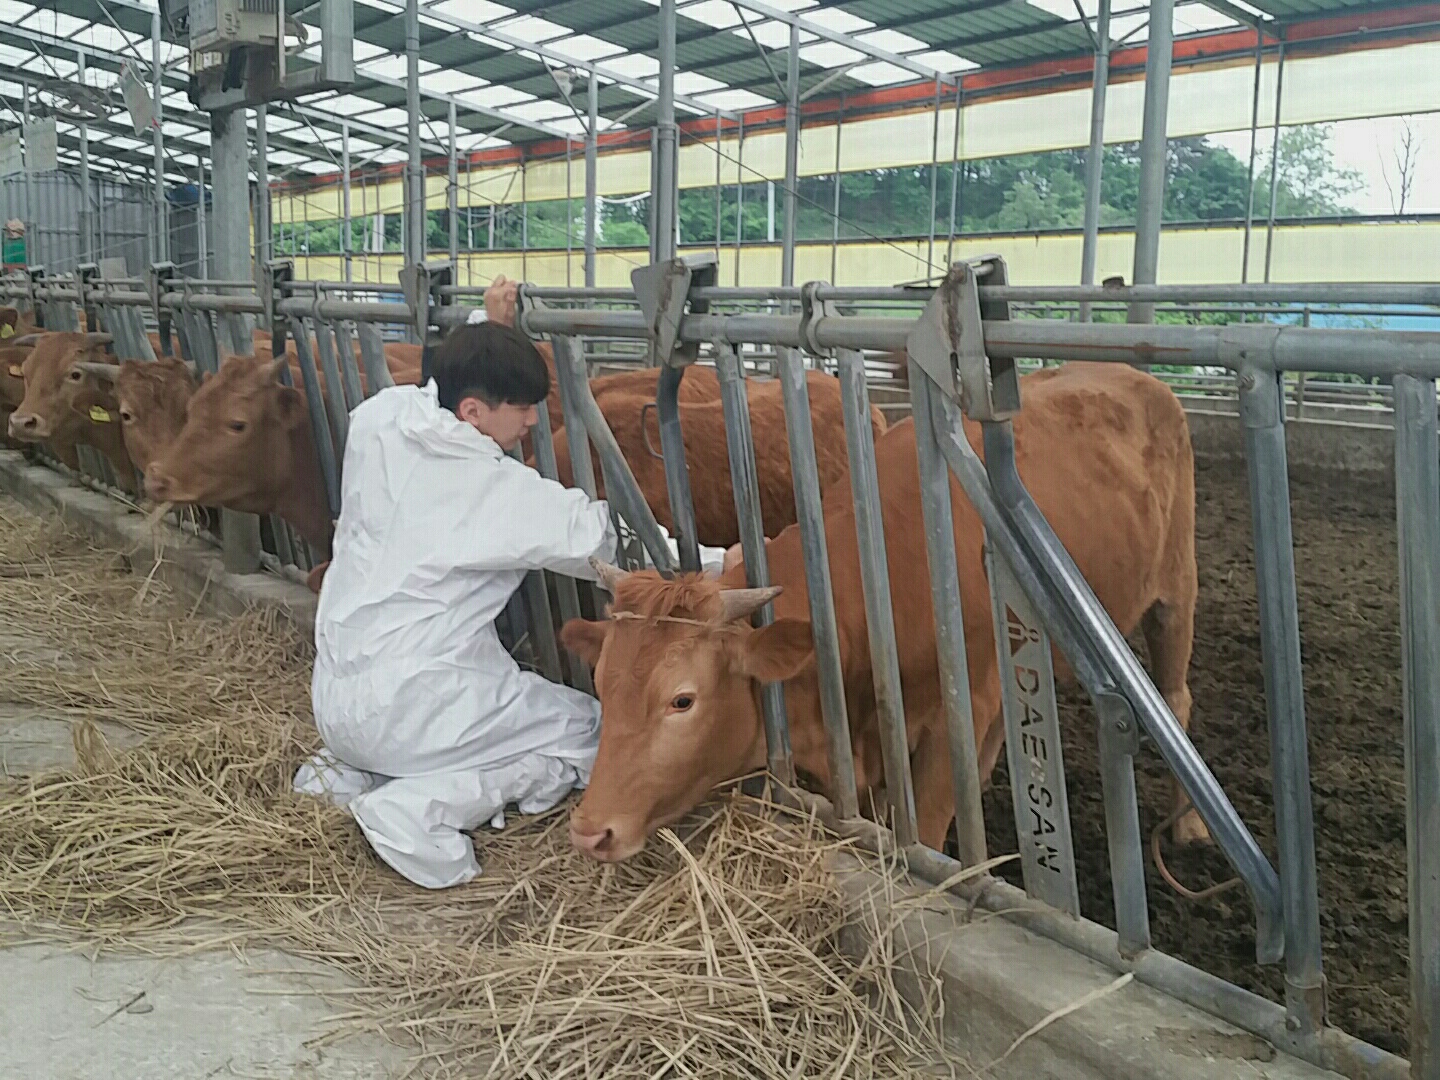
[1369, 147]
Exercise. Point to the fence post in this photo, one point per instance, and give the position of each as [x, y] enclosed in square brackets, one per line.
[1417, 508]
[1262, 411]
[741, 447]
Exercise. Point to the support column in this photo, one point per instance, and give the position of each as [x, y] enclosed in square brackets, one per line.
[792, 156]
[202, 239]
[1274, 156]
[162, 218]
[592, 205]
[1254, 140]
[666, 190]
[87, 239]
[231, 169]
[835, 208]
[1151, 204]
[264, 229]
[934, 182]
[346, 243]
[414, 170]
[452, 197]
[1095, 155]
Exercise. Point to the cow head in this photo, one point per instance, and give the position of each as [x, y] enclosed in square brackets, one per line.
[152, 398]
[234, 447]
[63, 381]
[677, 667]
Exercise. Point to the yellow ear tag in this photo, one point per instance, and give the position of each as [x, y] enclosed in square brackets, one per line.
[99, 415]
[6, 330]
[17, 371]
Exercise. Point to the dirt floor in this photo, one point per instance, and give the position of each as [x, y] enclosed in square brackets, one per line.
[1347, 578]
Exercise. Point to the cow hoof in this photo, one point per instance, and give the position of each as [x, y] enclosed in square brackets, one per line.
[1190, 830]
[316, 576]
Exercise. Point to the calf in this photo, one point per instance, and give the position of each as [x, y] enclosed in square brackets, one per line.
[246, 444]
[702, 426]
[68, 399]
[1105, 451]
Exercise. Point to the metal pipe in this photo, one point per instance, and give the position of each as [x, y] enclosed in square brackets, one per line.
[414, 169]
[570, 357]
[719, 161]
[87, 239]
[1150, 207]
[1117, 732]
[1274, 156]
[677, 475]
[230, 174]
[1095, 154]
[1417, 502]
[592, 198]
[835, 207]
[264, 228]
[1262, 413]
[875, 579]
[954, 669]
[810, 515]
[335, 403]
[954, 169]
[934, 182]
[346, 241]
[739, 191]
[31, 219]
[452, 195]
[202, 231]
[157, 70]
[1250, 171]
[745, 482]
[666, 176]
[792, 157]
[319, 420]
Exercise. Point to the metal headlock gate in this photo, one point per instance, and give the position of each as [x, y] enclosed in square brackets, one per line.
[962, 354]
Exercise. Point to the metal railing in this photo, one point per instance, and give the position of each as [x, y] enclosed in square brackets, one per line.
[962, 353]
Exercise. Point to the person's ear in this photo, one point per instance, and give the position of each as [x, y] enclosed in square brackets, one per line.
[469, 410]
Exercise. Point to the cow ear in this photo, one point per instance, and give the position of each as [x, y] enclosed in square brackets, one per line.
[289, 401]
[777, 652]
[585, 638]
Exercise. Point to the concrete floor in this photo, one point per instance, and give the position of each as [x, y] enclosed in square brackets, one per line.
[67, 1016]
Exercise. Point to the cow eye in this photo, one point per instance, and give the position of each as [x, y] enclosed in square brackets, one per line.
[237, 426]
[76, 375]
[682, 702]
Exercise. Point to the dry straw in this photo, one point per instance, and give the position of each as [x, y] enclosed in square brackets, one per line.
[716, 953]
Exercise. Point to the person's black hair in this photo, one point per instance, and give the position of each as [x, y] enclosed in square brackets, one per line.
[495, 363]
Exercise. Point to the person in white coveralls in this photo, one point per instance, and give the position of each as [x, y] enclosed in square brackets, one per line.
[430, 727]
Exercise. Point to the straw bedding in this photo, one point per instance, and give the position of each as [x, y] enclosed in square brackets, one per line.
[716, 953]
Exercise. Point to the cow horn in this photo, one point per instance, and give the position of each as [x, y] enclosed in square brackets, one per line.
[99, 339]
[742, 603]
[105, 371]
[26, 340]
[609, 574]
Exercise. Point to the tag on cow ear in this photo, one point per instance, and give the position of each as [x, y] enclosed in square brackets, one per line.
[777, 652]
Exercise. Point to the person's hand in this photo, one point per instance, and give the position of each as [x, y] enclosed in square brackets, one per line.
[500, 300]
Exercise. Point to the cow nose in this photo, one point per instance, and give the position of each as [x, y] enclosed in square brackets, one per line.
[594, 844]
[24, 424]
[157, 484]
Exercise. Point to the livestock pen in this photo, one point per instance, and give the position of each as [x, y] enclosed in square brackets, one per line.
[1343, 888]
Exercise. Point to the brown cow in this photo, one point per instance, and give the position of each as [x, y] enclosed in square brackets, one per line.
[246, 444]
[702, 424]
[1105, 451]
[67, 400]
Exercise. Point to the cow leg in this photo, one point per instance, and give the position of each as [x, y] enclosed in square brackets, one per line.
[1169, 630]
[934, 793]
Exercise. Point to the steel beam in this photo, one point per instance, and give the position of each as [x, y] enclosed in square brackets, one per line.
[1153, 143]
[1095, 155]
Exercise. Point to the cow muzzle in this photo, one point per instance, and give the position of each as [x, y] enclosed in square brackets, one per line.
[603, 844]
[28, 427]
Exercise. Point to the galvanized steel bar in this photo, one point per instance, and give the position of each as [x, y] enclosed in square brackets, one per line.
[452, 194]
[334, 387]
[319, 421]
[954, 669]
[157, 71]
[1254, 140]
[569, 356]
[566, 590]
[1417, 502]
[1150, 208]
[740, 445]
[1095, 154]
[540, 624]
[677, 474]
[372, 356]
[1262, 414]
[347, 242]
[349, 363]
[87, 236]
[414, 168]
[264, 227]
[1275, 155]
[875, 579]
[620, 487]
[592, 197]
[792, 156]
[1118, 736]
[934, 182]
[665, 171]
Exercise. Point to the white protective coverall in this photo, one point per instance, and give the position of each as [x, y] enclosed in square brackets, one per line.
[430, 726]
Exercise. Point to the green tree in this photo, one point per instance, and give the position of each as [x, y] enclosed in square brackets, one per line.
[1308, 182]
